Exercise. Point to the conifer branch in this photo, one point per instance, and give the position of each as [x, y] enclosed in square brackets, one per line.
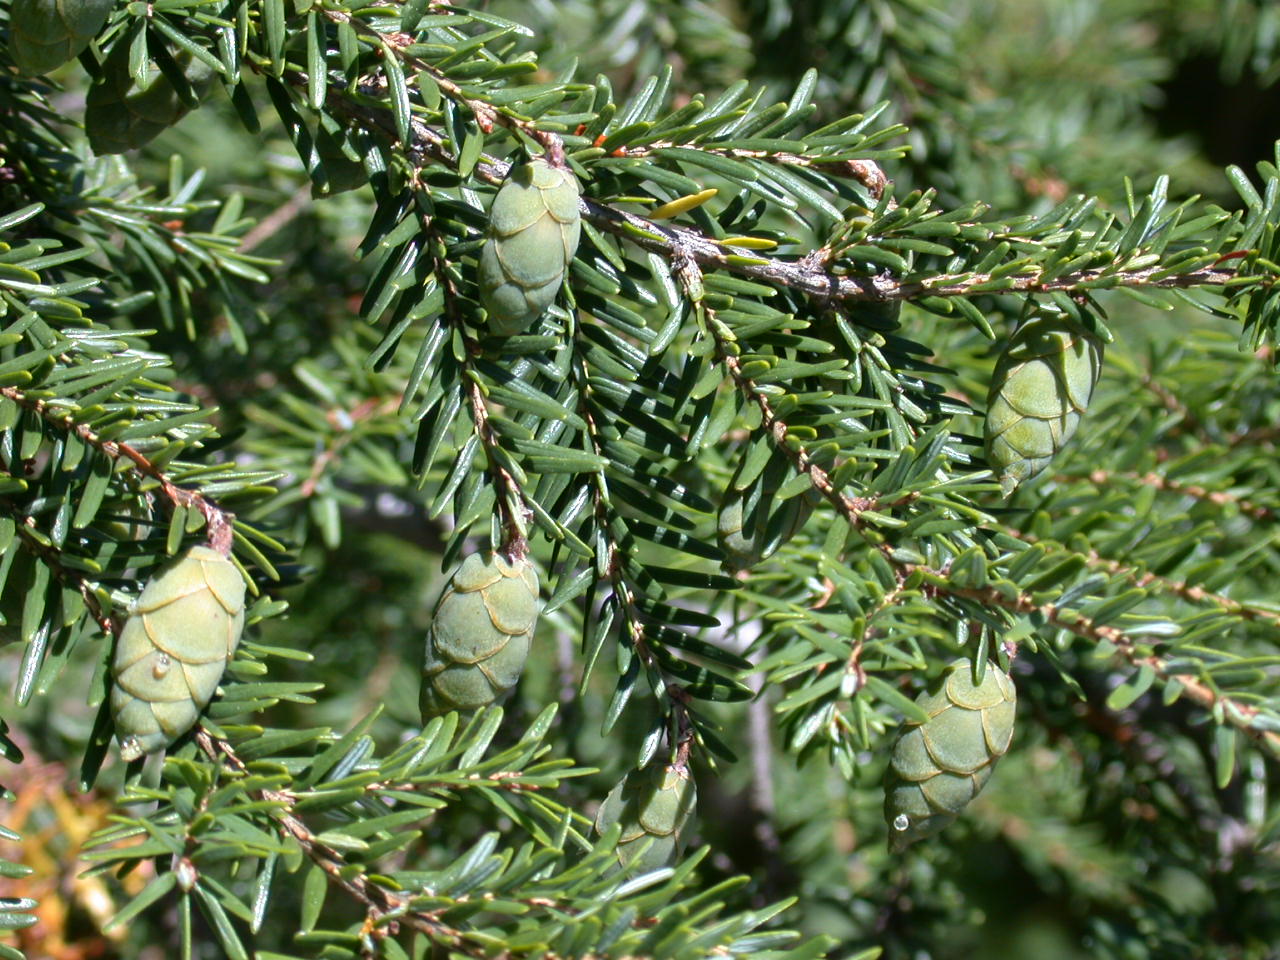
[378, 901]
[1241, 715]
[1102, 478]
[806, 275]
[218, 521]
[25, 527]
[346, 421]
[689, 275]
[512, 503]
[623, 590]
[487, 115]
[1145, 578]
[386, 909]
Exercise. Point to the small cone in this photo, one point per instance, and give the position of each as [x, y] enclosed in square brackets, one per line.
[534, 226]
[173, 650]
[940, 765]
[480, 633]
[652, 805]
[1040, 389]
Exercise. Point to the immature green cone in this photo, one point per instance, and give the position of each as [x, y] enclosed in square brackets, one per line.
[121, 114]
[173, 649]
[653, 803]
[1039, 391]
[45, 34]
[479, 636]
[940, 765]
[533, 232]
[752, 523]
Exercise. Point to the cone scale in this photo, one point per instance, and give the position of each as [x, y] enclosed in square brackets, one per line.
[45, 34]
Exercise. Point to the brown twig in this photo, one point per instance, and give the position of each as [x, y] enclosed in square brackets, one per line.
[386, 910]
[277, 219]
[51, 555]
[512, 504]
[688, 273]
[676, 695]
[854, 664]
[806, 275]
[487, 115]
[378, 901]
[346, 421]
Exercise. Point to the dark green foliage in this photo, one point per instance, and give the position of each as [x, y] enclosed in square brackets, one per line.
[126, 110]
[752, 521]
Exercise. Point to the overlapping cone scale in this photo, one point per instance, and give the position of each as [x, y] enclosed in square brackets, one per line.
[534, 226]
[45, 34]
[939, 765]
[479, 635]
[652, 807]
[174, 648]
[1040, 388]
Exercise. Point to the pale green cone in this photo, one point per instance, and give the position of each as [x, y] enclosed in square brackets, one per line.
[45, 34]
[534, 225]
[479, 636]
[1039, 391]
[752, 524]
[123, 114]
[940, 765]
[652, 804]
[171, 654]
